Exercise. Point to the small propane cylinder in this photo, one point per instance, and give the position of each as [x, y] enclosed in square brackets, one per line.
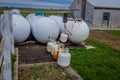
[63, 37]
[49, 45]
[64, 58]
[57, 51]
[54, 47]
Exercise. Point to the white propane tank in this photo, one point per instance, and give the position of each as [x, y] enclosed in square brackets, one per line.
[59, 21]
[64, 58]
[15, 11]
[63, 37]
[49, 46]
[79, 32]
[43, 28]
[32, 18]
[21, 28]
[54, 47]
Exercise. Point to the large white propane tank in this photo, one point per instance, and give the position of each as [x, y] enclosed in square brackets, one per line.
[63, 37]
[64, 58]
[21, 28]
[79, 32]
[44, 28]
[59, 21]
[15, 11]
[32, 18]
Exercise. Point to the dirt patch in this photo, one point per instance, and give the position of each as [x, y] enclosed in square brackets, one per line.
[112, 40]
[44, 72]
[34, 52]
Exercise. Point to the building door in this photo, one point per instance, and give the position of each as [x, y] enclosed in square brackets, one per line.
[106, 16]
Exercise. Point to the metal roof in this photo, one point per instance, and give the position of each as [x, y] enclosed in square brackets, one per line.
[105, 3]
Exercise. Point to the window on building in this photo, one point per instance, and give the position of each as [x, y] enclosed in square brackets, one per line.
[106, 16]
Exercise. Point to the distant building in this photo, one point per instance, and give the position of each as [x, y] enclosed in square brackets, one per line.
[104, 13]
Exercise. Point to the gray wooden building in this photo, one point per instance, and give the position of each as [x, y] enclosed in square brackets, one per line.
[100, 13]
[78, 8]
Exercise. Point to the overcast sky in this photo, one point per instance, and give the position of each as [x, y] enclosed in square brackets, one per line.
[60, 4]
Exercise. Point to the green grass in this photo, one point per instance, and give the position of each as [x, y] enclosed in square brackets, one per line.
[49, 14]
[44, 72]
[24, 14]
[46, 14]
[1, 12]
[100, 63]
[13, 59]
[114, 32]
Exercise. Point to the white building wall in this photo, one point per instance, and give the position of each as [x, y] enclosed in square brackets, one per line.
[114, 20]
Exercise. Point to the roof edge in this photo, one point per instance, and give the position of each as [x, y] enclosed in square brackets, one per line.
[110, 8]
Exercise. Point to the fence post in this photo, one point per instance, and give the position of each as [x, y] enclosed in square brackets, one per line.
[11, 32]
[7, 46]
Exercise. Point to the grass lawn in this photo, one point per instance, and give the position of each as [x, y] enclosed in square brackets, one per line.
[114, 32]
[101, 63]
[13, 59]
[44, 72]
[47, 12]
